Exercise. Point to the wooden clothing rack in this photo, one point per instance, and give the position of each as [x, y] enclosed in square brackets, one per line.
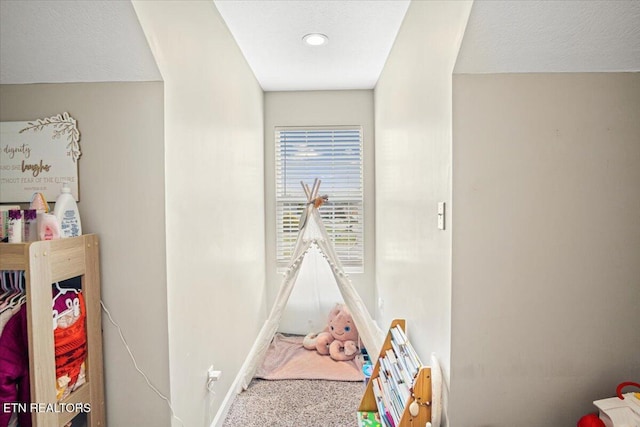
[44, 263]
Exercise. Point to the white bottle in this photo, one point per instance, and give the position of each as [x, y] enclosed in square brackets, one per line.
[66, 211]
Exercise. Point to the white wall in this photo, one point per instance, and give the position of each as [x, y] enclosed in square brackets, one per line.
[546, 245]
[319, 108]
[214, 199]
[121, 176]
[413, 173]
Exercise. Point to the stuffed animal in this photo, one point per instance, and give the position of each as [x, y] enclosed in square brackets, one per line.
[339, 339]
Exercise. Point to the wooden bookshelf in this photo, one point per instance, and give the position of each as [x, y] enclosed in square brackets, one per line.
[419, 398]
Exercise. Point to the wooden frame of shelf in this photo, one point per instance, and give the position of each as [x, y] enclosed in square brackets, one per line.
[422, 392]
[44, 263]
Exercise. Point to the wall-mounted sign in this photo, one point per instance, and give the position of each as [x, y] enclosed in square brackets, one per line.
[37, 157]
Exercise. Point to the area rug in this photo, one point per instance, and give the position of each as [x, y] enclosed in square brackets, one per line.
[287, 359]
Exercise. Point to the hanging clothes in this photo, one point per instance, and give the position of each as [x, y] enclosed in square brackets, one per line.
[7, 313]
[14, 359]
[70, 340]
[14, 366]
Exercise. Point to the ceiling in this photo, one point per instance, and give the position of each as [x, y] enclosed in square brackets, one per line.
[269, 33]
[53, 41]
[72, 41]
[551, 36]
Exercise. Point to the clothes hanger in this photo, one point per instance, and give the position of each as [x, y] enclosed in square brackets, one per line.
[4, 286]
[13, 296]
[73, 304]
[62, 291]
[18, 287]
[17, 299]
[3, 281]
[9, 285]
[23, 284]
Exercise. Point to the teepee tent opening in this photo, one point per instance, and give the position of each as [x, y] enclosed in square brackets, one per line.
[312, 234]
[314, 295]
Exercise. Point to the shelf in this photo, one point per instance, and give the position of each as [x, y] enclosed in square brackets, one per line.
[44, 263]
[420, 390]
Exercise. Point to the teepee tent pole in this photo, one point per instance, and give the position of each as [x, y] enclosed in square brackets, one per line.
[307, 192]
[369, 332]
[270, 326]
[315, 189]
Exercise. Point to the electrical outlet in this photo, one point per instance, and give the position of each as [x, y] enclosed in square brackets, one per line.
[213, 375]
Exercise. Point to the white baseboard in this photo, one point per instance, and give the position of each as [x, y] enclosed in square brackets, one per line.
[218, 420]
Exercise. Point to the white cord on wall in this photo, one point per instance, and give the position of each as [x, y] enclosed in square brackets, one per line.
[135, 364]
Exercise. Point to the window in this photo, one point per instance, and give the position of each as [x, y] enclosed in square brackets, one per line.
[334, 155]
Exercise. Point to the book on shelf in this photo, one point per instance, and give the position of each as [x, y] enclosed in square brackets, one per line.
[398, 379]
[402, 381]
[389, 398]
[401, 345]
[399, 366]
[385, 416]
[368, 419]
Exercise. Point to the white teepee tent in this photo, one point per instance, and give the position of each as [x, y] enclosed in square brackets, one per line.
[371, 336]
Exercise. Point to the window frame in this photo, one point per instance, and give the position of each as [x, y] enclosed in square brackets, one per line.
[353, 260]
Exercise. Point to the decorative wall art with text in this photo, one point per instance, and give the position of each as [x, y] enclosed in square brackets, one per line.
[37, 157]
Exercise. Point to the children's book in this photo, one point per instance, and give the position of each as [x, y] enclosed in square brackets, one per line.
[369, 419]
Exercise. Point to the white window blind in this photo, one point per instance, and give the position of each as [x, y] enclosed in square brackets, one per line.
[334, 155]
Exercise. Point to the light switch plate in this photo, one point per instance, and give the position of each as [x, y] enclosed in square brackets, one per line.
[441, 211]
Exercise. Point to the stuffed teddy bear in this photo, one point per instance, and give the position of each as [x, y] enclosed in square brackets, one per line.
[339, 339]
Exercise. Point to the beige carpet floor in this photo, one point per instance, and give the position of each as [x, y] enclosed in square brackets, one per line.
[296, 403]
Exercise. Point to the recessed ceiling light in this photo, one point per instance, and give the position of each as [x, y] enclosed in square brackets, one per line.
[315, 39]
